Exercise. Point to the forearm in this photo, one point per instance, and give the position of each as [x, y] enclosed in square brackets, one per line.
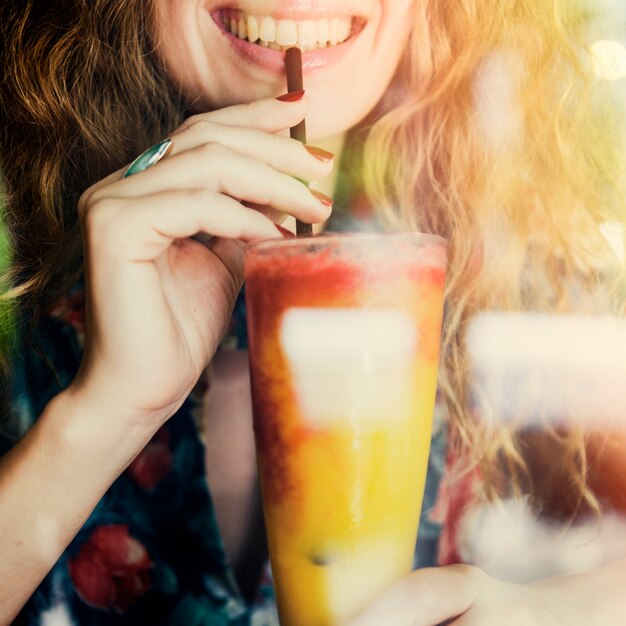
[49, 484]
[595, 598]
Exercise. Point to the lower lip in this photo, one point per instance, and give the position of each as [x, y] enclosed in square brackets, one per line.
[274, 60]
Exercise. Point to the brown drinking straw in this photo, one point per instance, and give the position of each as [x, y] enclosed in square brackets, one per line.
[293, 67]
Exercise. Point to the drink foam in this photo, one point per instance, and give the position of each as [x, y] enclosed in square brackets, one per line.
[349, 363]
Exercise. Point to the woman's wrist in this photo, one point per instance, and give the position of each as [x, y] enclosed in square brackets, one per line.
[87, 426]
[51, 481]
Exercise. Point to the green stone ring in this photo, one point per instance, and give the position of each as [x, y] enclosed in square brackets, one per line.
[149, 158]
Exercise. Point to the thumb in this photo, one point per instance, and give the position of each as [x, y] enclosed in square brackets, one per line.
[426, 597]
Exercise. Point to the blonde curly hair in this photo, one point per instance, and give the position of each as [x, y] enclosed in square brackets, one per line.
[511, 146]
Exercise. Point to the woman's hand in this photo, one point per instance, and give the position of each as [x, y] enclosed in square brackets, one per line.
[461, 595]
[158, 301]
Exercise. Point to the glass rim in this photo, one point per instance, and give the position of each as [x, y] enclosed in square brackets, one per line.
[348, 236]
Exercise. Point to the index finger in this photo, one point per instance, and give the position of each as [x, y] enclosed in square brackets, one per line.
[269, 114]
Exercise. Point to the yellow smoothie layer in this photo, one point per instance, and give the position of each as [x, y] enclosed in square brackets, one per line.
[346, 527]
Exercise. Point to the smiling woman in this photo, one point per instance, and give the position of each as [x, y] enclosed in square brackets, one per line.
[495, 125]
[351, 51]
[279, 34]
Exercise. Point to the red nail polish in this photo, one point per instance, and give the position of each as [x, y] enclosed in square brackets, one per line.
[319, 153]
[292, 96]
[322, 197]
[287, 234]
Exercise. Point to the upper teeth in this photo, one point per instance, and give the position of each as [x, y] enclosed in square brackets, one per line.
[307, 34]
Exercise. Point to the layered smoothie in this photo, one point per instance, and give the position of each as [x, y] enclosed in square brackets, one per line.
[344, 343]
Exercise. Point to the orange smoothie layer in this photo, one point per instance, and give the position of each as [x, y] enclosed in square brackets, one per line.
[344, 365]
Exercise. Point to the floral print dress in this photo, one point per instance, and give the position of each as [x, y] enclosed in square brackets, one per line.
[150, 553]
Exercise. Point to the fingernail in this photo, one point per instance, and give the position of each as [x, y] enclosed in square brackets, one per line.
[322, 197]
[149, 158]
[287, 234]
[292, 96]
[320, 154]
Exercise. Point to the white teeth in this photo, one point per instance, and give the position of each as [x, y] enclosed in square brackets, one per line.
[253, 28]
[334, 31]
[344, 31]
[307, 34]
[267, 29]
[286, 33]
[323, 31]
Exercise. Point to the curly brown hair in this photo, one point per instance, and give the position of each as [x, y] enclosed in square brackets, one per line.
[82, 94]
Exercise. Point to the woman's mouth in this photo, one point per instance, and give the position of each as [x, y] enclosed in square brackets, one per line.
[280, 34]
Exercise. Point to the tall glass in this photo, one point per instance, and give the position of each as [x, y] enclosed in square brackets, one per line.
[344, 337]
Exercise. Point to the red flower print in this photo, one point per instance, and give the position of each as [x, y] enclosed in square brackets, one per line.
[455, 497]
[153, 462]
[111, 569]
[72, 311]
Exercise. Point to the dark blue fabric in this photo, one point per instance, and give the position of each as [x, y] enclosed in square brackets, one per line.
[150, 553]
